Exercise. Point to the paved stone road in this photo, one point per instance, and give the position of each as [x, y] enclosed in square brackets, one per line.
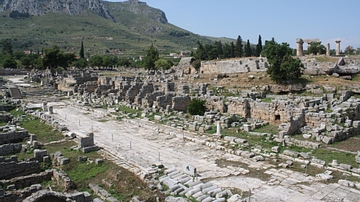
[140, 145]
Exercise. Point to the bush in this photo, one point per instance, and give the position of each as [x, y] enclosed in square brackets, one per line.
[197, 107]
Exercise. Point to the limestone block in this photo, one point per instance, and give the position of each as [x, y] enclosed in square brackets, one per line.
[357, 158]
[275, 149]
[318, 161]
[39, 154]
[345, 166]
[346, 183]
[247, 154]
[99, 161]
[291, 153]
[63, 160]
[259, 158]
[235, 198]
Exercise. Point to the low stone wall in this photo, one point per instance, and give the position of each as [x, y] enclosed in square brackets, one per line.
[234, 66]
[13, 136]
[26, 181]
[14, 169]
[12, 148]
[63, 180]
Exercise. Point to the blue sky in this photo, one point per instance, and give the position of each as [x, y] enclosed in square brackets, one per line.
[285, 20]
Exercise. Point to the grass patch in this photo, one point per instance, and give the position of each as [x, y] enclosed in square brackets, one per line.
[272, 129]
[44, 133]
[86, 171]
[351, 144]
[267, 100]
[341, 157]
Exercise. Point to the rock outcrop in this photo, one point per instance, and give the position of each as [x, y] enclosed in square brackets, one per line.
[69, 7]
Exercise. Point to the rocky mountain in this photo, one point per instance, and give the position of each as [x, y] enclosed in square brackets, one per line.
[70, 7]
[127, 27]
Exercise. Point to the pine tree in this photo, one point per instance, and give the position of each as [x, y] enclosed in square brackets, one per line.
[82, 55]
[239, 47]
[259, 47]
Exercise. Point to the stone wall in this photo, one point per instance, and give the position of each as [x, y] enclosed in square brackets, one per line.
[14, 169]
[234, 66]
[11, 148]
[13, 136]
[25, 181]
[180, 103]
[63, 180]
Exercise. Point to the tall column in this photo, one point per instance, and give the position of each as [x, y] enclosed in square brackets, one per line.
[328, 49]
[299, 50]
[337, 47]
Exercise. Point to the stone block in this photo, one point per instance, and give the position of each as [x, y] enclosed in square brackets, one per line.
[63, 160]
[291, 153]
[39, 154]
[46, 159]
[99, 161]
[346, 183]
[275, 149]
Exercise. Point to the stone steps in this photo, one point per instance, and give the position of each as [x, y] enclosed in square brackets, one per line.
[120, 162]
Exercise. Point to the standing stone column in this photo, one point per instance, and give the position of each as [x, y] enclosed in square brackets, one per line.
[328, 49]
[218, 128]
[299, 50]
[337, 47]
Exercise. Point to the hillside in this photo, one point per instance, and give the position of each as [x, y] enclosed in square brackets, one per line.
[125, 28]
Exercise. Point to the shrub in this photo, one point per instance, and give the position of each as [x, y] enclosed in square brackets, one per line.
[196, 107]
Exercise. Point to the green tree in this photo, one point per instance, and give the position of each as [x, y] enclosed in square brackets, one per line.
[6, 47]
[95, 61]
[152, 55]
[7, 61]
[196, 107]
[239, 50]
[316, 48]
[109, 61]
[54, 58]
[282, 66]
[227, 51]
[219, 49]
[248, 50]
[124, 62]
[349, 50]
[29, 61]
[358, 51]
[259, 47]
[82, 54]
[18, 55]
[163, 64]
[80, 63]
[200, 51]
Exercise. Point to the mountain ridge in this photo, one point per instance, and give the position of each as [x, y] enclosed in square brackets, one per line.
[128, 27]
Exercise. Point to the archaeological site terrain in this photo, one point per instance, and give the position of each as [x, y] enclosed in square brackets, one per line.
[127, 135]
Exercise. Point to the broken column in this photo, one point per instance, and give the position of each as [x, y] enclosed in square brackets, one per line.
[328, 49]
[45, 107]
[337, 47]
[299, 50]
[218, 128]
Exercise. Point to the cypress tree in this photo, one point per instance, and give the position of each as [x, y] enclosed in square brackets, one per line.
[82, 55]
[248, 51]
[259, 46]
[239, 47]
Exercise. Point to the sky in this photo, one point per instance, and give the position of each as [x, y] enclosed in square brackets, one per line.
[285, 20]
